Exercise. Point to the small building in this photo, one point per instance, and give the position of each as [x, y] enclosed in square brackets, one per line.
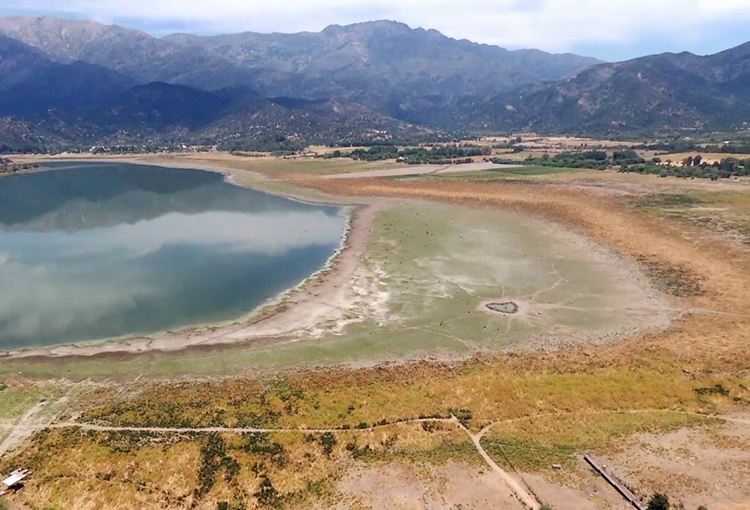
[13, 481]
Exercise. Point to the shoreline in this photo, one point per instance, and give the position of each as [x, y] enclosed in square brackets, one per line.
[275, 317]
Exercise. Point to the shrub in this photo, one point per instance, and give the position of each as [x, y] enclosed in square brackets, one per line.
[658, 501]
[267, 494]
[328, 440]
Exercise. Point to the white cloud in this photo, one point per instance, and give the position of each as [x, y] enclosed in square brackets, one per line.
[554, 25]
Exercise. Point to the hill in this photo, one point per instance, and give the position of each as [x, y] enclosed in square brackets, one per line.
[658, 92]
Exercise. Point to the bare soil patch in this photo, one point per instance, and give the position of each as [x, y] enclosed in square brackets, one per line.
[425, 487]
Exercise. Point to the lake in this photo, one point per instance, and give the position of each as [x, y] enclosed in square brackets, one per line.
[95, 251]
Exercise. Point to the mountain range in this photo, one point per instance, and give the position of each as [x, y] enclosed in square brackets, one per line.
[70, 82]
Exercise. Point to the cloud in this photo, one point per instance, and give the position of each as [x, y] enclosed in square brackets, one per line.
[553, 25]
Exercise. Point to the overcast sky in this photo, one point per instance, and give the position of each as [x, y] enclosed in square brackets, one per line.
[608, 29]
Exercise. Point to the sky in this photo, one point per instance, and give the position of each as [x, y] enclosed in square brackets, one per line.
[607, 29]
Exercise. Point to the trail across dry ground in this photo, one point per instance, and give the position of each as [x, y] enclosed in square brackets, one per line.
[26, 426]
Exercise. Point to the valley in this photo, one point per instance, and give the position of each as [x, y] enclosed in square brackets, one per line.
[383, 395]
[336, 264]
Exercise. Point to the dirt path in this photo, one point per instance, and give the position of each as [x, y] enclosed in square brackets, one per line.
[27, 425]
[519, 491]
[22, 429]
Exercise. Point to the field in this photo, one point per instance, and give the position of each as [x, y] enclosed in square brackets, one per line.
[630, 342]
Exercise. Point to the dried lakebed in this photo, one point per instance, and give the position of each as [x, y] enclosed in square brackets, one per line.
[413, 281]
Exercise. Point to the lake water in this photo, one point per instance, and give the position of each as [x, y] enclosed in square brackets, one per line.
[93, 251]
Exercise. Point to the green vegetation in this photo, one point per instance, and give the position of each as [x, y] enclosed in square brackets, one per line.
[15, 400]
[435, 155]
[683, 145]
[692, 167]
[277, 143]
[629, 161]
[658, 501]
[595, 159]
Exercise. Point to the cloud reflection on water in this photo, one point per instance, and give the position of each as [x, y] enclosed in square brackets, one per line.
[170, 269]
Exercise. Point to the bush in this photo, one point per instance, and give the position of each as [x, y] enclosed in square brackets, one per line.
[658, 501]
[546, 506]
[328, 440]
[267, 494]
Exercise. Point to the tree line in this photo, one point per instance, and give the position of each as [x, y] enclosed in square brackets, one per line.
[434, 155]
[630, 161]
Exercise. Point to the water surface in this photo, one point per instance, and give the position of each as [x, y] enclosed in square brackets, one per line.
[93, 251]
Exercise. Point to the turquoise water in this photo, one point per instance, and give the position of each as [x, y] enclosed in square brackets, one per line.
[94, 251]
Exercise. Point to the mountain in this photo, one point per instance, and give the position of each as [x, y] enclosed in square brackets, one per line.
[159, 114]
[130, 52]
[659, 92]
[78, 83]
[376, 63]
[32, 83]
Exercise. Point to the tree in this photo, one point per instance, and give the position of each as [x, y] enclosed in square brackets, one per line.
[697, 160]
[658, 501]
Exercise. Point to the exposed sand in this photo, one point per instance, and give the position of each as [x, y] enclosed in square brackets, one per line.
[420, 170]
[699, 466]
[405, 486]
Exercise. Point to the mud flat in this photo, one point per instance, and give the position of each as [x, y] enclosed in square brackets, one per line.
[409, 282]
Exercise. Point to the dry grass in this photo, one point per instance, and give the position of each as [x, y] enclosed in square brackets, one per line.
[536, 444]
[123, 470]
[491, 389]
